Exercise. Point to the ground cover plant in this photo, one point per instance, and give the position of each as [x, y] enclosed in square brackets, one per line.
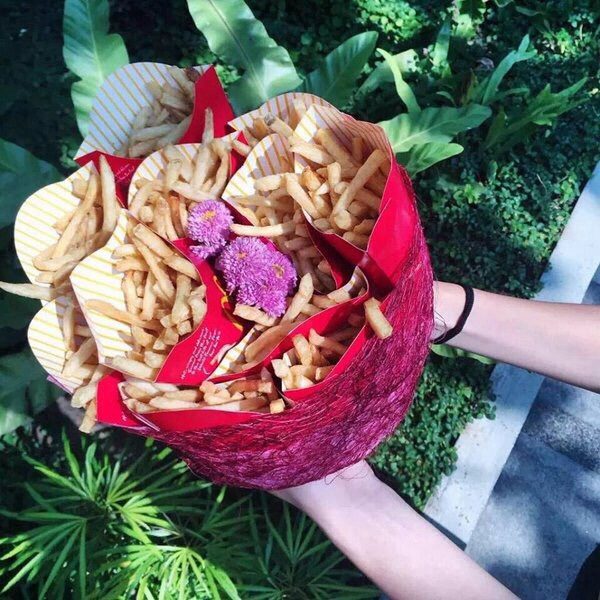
[492, 105]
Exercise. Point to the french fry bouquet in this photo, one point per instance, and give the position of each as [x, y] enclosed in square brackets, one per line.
[253, 291]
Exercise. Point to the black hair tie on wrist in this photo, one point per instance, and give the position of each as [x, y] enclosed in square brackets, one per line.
[469, 297]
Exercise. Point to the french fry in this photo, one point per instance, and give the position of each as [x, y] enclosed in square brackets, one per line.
[302, 349]
[325, 342]
[181, 310]
[314, 153]
[133, 367]
[89, 417]
[301, 299]
[280, 229]
[365, 172]
[78, 358]
[376, 319]
[326, 138]
[276, 406]
[251, 313]
[180, 264]
[29, 290]
[107, 309]
[110, 205]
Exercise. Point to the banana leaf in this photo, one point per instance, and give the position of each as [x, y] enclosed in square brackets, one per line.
[239, 39]
[336, 77]
[423, 156]
[90, 52]
[432, 124]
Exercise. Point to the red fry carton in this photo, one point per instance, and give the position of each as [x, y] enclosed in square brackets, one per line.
[193, 358]
[112, 411]
[124, 94]
[272, 156]
[389, 241]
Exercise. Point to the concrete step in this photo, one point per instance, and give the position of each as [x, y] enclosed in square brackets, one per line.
[541, 522]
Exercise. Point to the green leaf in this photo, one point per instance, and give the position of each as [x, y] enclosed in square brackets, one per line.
[405, 61]
[450, 352]
[473, 8]
[439, 56]
[421, 157]
[224, 581]
[487, 91]
[21, 174]
[90, 52]
[24, 390]
[336, 76]
[402, 88]
[432, 125]
[15, 311]
[544, 109]
[238, 38]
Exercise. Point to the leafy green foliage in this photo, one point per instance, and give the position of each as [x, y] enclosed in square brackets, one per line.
[383, 72]
[236, 37]
[21, 174]
[505, 132]
[138, 524]
[98, 514]
[403, 90]
[439, 56]
[421, 157]
[486, 91]
[295, 560]
[450, 352]
[90, 52]
[24, 390]
[432, 124]
[444, 404]
[335, 79]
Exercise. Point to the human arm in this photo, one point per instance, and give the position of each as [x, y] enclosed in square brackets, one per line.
[558, 340]
[403, 554]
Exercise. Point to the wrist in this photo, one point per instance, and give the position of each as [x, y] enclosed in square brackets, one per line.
[352, 486]
[448, 304]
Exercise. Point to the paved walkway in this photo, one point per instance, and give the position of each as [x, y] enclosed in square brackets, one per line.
[543, 517]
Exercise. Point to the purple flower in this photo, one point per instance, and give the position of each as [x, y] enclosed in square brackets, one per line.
[242, 260]
[208, 223]
[201, 252]
[284, 270]
[258, 273]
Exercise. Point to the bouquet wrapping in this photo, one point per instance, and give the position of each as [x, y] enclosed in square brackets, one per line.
[145, 322]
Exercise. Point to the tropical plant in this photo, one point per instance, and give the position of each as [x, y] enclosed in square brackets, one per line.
[236, 37]
[336, 77]
[24, 390]
[508, 130]
[295, 560]
[90, 52]
[107, 526]
[486, 90]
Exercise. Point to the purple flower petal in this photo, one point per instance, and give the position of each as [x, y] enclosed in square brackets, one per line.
[208, 223]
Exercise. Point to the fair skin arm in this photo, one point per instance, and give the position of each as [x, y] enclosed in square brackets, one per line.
[558, 340]
[386, 539]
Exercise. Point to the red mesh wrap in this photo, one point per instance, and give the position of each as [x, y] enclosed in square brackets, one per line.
[341, 424]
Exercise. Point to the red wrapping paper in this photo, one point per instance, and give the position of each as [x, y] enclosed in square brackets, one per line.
[209, 93]
[340, 423]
